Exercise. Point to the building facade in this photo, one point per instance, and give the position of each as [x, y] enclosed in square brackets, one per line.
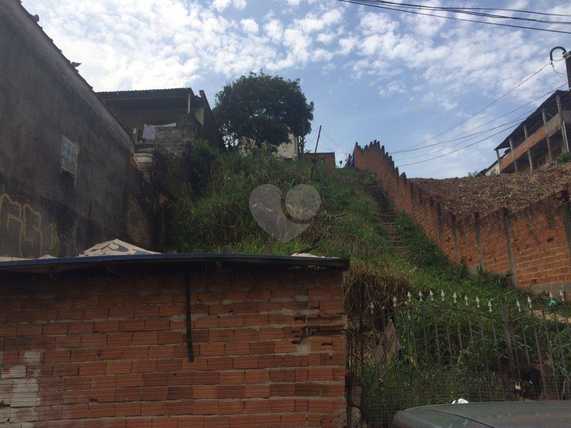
[540, 139]
[166, 120]
[65, 161]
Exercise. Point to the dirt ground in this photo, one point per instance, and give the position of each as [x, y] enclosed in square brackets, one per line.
[464, 196]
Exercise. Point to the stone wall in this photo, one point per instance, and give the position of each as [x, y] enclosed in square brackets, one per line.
[113, 351]
[532, 244]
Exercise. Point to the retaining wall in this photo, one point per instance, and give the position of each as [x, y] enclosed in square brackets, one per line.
[531, 244]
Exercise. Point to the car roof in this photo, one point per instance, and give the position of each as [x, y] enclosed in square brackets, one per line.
[516, 414]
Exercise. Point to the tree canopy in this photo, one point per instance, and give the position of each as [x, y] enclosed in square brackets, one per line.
[263, 109]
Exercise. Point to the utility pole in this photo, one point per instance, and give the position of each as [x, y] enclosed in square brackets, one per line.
[567, 57]
[314, 160]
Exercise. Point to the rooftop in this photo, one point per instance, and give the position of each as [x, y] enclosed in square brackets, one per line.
[117, 255]
[147, 93]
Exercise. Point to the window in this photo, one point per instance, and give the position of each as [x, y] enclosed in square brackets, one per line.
[69, 156]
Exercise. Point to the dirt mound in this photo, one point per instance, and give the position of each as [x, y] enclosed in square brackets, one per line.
[464, 196]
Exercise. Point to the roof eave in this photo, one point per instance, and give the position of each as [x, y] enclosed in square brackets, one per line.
[179, 262]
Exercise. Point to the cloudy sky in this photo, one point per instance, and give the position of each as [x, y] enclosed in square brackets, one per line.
[408, 81]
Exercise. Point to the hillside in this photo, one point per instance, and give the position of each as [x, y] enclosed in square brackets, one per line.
[215, 216]
[420, 329]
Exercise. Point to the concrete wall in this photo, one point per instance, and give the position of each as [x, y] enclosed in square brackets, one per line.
[533, 244]
[43, 100]
[112, 352]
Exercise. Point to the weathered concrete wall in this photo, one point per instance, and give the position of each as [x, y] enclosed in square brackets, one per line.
[532, 244]
[43, 100]
[269, 351]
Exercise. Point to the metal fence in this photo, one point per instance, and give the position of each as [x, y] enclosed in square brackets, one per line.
[433, 349]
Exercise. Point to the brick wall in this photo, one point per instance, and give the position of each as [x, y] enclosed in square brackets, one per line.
[533, 244]
[112, 352]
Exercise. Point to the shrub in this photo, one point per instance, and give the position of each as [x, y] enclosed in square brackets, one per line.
[564, 158]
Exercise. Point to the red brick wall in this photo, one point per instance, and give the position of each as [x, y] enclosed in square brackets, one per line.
[269, 351]
[533, 244]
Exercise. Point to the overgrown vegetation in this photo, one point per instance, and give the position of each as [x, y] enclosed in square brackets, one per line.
[212, 214]
[564, 158]
[428, 268]
[220, 219]
[415, 291]
[260, 109]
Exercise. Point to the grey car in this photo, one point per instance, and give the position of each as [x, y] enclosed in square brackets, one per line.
[518, 414]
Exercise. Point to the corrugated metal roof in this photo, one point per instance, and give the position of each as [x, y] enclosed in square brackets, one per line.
[171, 262]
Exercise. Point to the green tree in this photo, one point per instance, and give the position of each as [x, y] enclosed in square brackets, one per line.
[263, 109]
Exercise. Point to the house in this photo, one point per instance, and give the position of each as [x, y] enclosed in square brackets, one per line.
[288, 150]
[186, 340]
[167, 120]
[540, 139]
[66, 177]
[327, 159]
[493, 169]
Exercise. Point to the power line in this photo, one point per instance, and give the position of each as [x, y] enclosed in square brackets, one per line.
[444, 150]
[466, 11]
[467, 136]
[452, 152]
[506, 125]
[491, 103]
[530, 12]
[454, 18]
[459, 149]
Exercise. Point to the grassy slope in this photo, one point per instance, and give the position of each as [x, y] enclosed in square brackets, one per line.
[346, 226]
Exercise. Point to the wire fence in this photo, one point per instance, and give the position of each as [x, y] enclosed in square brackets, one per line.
[433, 349]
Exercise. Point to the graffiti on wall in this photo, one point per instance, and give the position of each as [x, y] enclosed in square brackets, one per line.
[23, 231]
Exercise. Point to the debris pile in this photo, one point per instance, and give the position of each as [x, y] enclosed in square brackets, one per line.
[485, 194]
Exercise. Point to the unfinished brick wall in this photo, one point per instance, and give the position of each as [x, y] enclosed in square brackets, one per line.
[269, 351]
[533, 244]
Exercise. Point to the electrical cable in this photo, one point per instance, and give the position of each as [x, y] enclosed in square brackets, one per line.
[463, 137]
[500, 116]
[453, 18]
[464, 11]
[487, 106]
[459, 149]
[512, 10]
[452, 152]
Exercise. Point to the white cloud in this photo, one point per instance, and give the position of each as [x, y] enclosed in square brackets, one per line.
[221, 5]
[250, 26]
[326, 38]
[274, 30]
[347, 45]
[435, 63]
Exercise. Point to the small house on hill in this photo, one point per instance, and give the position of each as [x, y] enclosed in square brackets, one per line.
[327, 159]
[165, 120]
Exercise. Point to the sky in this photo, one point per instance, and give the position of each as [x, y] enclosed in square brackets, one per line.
[411, 82]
